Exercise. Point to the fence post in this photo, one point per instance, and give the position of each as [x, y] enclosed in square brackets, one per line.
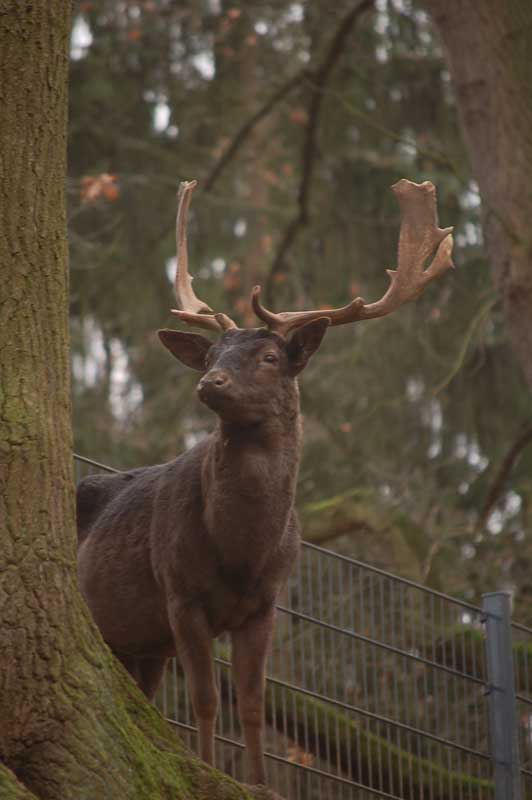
[501, 692]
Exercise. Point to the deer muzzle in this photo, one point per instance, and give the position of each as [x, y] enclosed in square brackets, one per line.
[213, 386]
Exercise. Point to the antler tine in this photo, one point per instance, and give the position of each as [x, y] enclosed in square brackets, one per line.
[193, 311]
[419, 237]
[287, 321]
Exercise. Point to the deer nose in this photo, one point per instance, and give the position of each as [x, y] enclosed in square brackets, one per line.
[215, 379]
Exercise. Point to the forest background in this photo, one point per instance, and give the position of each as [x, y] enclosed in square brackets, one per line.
[296, 118]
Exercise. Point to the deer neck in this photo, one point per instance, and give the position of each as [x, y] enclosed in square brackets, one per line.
[257, 456]
[249, 481]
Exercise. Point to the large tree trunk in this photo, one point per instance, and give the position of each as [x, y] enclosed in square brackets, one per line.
[73, 725]
[488, 46]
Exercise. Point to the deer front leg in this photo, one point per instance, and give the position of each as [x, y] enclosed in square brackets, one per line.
[250, 645]
[151, 672]
[193, 641]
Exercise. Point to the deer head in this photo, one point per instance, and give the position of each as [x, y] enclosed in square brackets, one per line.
[247, 372]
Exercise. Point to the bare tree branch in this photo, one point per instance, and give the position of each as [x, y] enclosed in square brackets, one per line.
[247, 128]
[464, 345]
[497, 487]
[207, 183]
[318, 80]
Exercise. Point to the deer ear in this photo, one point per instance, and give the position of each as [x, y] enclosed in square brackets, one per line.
[305, 342]
[189, 348]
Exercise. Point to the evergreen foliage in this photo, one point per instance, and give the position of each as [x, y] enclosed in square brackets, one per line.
[408, 419]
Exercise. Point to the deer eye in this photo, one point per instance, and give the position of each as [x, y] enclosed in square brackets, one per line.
[271, 358]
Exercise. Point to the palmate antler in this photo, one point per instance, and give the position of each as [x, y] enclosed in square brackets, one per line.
[419, 238]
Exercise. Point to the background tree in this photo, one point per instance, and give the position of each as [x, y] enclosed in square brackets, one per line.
[73, 724]
[488, 49]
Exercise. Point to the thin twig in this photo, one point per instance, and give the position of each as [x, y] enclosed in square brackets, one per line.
[439, 156]
[248, 126]
[319, 78]
[460, 358]
[524, 438]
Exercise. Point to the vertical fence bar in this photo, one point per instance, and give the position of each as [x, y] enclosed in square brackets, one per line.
[501, 689]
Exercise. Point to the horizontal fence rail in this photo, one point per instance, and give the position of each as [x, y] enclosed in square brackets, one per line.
[376, 687]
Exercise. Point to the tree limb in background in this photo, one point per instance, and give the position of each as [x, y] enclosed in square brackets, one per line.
[246, 129]
[318, 80]
[206, 184]
[497, 487]
[343, 528]
[464, 345]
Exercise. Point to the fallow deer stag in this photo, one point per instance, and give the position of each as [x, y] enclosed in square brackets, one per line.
[171, 556]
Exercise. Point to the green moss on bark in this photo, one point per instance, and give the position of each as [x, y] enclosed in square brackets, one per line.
[11, 788]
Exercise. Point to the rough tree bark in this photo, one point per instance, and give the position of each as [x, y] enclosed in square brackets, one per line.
[73, 724]
[488, 48]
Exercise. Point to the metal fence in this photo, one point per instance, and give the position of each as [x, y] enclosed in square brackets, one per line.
[522, 664]
[380, 687]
